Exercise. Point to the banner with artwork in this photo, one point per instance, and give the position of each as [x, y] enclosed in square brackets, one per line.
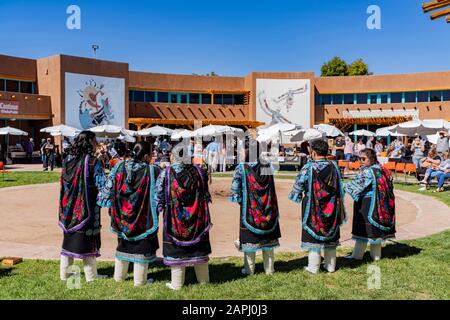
[283, 101]
[93, 101]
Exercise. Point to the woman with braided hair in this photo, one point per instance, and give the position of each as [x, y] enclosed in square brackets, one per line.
[129, 195]
[79, 217]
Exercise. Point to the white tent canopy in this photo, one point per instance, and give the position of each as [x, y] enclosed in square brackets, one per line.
[329, 130]
[363, 132]
[214, 130]
[8, 131]
[155, 131]
[62, 130]
[386, 131]
[421, 127]
[275, 131]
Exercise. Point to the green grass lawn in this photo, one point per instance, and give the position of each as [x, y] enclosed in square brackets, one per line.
[417, 269]
[12, 179]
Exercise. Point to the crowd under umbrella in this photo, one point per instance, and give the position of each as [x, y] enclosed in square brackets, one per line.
[421, 127]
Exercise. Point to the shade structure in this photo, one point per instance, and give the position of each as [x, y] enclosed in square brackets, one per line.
[329, 130]
[155, 131]
[110, 131]
[9, 131]
[275, 131]
[182, 134]
[421, 127]
[127, 138]
[308, 135]
[62, 130]
[362, 133]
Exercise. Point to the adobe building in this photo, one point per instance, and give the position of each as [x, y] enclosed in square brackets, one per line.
[84, 92]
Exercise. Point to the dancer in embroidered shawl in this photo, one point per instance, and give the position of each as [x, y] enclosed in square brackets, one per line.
[81, 179]
[323, 212]
[129, 195]
[182, 196]
[374, 206]
[253, 187]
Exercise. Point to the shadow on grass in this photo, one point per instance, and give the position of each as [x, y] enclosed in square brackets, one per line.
[5, 272]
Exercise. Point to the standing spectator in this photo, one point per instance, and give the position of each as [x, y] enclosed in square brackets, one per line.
[339, 148]
[41, 149]
[369, 143]
[348, 150]
[66, 145]
[442, 143]
[360, 146]
[212, 156]
[223, 158]
[49, 154]
[418, 149]
[29, 147]
[378, 147]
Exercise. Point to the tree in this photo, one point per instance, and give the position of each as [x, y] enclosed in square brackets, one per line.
[358, 68]
[334, 67]
[210, 74]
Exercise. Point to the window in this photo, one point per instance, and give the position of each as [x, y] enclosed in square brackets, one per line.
[218, 99]
[183, 98]
[373, 99]
[26, 87]
[384, 98]
[12, 86]
[326, 98]
[139, 96]
[349, 99]
[337, 98]
[150, 96]
[410, 97]
[173, 98]
[194, 98]
[206, 98]
[422, 96]
[361, 98]
[130, 95]
[446, 95]
[163, 97]
[396, 97]
[239, 99]
[227, 99]
[435, 95]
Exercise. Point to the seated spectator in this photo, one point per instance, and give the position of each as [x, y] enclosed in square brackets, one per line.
[437, 170]
[441, 180]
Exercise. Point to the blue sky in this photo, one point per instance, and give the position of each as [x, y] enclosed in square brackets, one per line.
[230, 37]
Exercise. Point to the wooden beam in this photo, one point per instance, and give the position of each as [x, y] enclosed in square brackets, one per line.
[433, 5]
[440, 14]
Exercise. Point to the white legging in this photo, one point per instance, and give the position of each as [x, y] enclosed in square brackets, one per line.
[140, 272]
[314, 259]
[360, 248]
[178, 275]
[268, 261]
[89, 266]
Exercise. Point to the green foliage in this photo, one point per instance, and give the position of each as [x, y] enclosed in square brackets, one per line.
[338, 67]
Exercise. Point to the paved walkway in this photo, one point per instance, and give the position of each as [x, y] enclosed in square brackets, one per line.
[29, 216]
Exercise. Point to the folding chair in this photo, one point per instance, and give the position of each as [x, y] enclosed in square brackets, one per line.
[399, 167]
[410, 168]
[342, 164]
[355, 165]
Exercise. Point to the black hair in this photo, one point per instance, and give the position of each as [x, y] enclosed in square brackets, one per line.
[370, 154]
[320, 147]
[83, 144]
[120, 148]
[141, 149]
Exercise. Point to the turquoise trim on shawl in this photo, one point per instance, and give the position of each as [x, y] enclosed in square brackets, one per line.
[372, 204]
[244, 208]
[308, 208]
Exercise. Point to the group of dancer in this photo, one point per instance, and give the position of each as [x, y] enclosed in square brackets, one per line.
[137, 193]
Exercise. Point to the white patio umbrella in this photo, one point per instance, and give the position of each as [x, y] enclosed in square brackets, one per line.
[212, 130]
[329, 130]
[308, 135]
[275, 131]
[362, 132]
[385, 132]
[61, 130]
[155, 131]
[182, 134]
[421, 127]
[110, 131]
[8, 131]
[127, 138]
